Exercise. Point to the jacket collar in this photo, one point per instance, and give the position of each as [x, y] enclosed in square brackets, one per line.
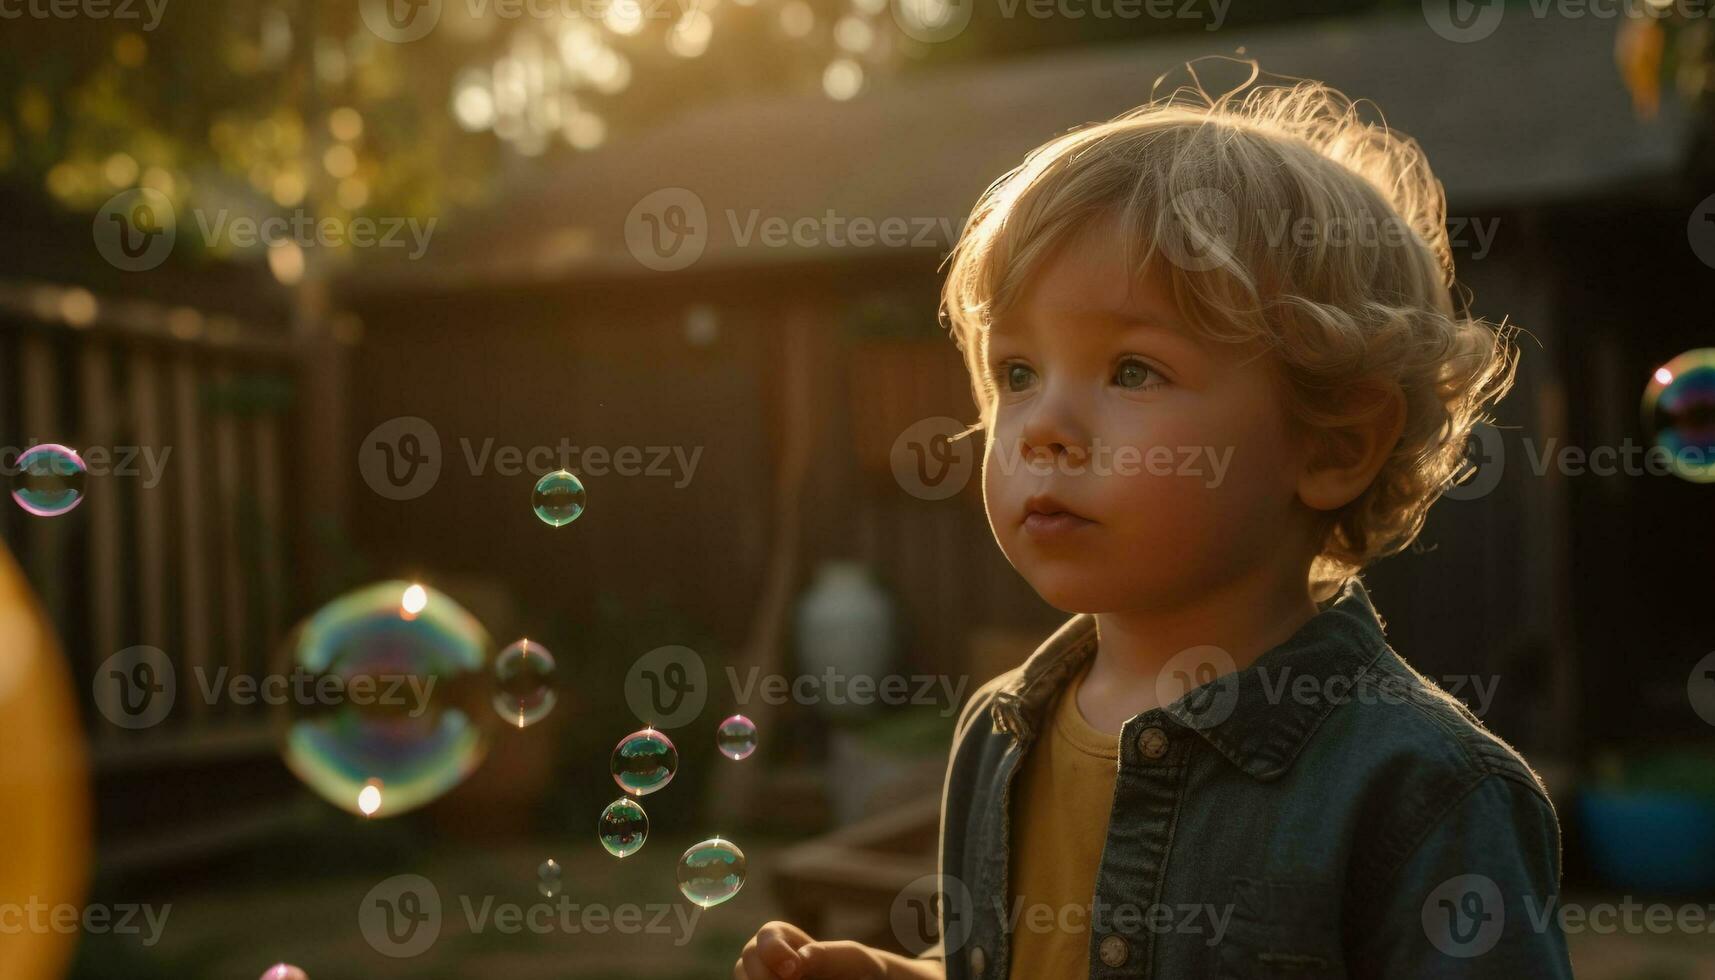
[1260, 718]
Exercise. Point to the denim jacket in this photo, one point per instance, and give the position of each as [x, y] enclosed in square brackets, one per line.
[1325, 812]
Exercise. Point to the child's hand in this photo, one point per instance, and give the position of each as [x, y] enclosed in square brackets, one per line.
[782, 951]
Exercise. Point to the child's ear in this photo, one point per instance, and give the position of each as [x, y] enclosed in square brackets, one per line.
[1344, 460]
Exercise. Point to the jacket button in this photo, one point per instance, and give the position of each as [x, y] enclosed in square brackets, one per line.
[979, 960]
[1152, 742]
[1115, 951]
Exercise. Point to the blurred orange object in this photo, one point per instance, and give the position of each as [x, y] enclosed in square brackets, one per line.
[44, 789]
[1638, 53]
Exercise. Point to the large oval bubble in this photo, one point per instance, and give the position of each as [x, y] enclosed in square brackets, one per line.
[385, 688]
[1679, 413]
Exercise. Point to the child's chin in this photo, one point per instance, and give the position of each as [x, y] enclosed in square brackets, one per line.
[1071, 591]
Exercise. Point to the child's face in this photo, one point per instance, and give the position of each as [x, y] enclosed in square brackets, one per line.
[1169, 459]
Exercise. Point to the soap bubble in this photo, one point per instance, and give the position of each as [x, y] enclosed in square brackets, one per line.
[559, 498]
[1679, 413]
[524, 672]
[384, 701]
[711, 872]
[736, 737]
[284, 971]
[644, 761]
[623, 827]
[49, 480]
[548, 878]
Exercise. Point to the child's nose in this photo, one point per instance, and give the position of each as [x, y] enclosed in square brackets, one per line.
[1054, 432]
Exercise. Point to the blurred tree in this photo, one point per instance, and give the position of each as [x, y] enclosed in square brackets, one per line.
[344, 108]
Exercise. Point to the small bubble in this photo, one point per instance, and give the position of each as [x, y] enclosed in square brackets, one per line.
[711, 872]
[49, 480]
[559, 498]
[644, 761]
[736, 737]
[623, 827]
[548, 878]
[524, 673]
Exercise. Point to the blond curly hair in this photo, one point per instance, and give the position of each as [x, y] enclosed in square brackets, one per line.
[1287, 219]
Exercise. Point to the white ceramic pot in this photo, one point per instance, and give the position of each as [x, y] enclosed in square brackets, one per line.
[845, 630]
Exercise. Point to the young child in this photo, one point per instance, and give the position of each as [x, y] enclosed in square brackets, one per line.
[1220, 368]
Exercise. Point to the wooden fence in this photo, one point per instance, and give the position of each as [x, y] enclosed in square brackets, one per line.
[184, 538]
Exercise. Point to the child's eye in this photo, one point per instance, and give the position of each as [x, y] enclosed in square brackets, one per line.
[1013, 375]
[1136, 374]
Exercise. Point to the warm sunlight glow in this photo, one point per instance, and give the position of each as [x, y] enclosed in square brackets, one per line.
[369, 798]
[690, 36]
[414, 600]
[624, 17]
[472, 103]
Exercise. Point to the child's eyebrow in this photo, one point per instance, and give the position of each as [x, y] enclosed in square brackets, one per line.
[1126, 320]
[1114, 319]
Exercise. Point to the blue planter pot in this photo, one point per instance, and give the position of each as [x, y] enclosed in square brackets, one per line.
[1650, 841]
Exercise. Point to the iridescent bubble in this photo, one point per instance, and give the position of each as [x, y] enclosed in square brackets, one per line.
[385, 692]
[548, 878]
[524, 673]
[736, 737]
[559, 498]
[711, 872]
[1679, 413]
[284, 971]
[644, 761]
[623, 827]
[49, 480]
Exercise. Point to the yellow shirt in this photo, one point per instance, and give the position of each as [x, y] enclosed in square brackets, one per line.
[1060, 802]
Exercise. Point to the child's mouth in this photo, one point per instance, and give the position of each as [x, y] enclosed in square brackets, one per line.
[1045, 517]
[1039, 525]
